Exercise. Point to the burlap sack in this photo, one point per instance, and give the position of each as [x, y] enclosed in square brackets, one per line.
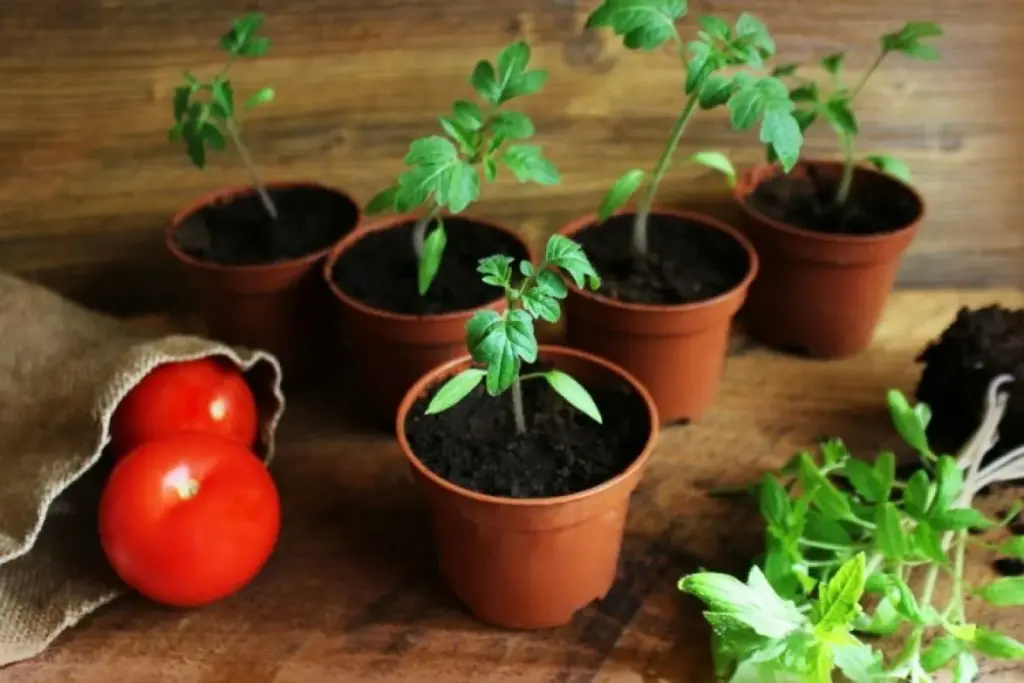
[63, 370]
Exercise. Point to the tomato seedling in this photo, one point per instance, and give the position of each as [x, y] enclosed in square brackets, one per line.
[833, 102]
[841, 531]
[205, 113]
[751, 97]
[207, 395]
[189, 519]
[502, 342]
[445, 170]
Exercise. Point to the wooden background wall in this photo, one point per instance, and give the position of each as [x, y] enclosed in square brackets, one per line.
[88, 179]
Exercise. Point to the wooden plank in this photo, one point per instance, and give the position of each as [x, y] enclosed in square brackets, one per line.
[88, 179]
[351, 593]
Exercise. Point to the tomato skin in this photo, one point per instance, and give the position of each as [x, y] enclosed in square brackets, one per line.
[181, 550]
[208, 395]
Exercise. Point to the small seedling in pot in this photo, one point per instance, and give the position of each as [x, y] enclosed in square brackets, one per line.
[832, 101]
[205, 113]
[839, 530]
[502, 342]
[444, 170]
[751, 97]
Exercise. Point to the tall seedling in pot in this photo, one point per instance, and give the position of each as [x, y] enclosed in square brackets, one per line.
[444, 170]
[750, 96]
[205, 112]
[502, 342]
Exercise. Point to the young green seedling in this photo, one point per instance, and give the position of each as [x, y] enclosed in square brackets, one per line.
[502, 342]
[751, 97]
[445, 171]
[840, 529]
[205, 112]
[834, 102]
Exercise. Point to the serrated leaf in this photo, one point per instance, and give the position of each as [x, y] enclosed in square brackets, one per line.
[907, 421]
[1005, 592]
[833, 63]
[455, 389]
[838, 599]
[512, 62]
[213, 137]
[837, 111]
[485, 82]
[573, 392]
[502, 343]
[864, 480]
[467, 115]
[807, 92]
[718, 162]
[755, 604]
[496, 269]
[917, 495]
[823, 493]
[949, 484]
[224, 95]
[462, 187]
[528, 83]
[960, 519]
[457, 132]
[714, 91]
[940, 652]
[621, 191]
[929, 545]
[490, 169]
[714, 27]
[774, 502]
[261, 96]
[512, 125]
[527, 163]
[754, 33]
[908, 40]
[889, 535]
[432, 160]
[699, 66]
[890, 166]
[538, 302]
[430, 259]
[642, 24]
[768, 99]
[998, 645]
[562, 252]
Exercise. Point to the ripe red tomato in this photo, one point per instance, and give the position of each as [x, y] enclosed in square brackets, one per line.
[189, 519]
[208, 395]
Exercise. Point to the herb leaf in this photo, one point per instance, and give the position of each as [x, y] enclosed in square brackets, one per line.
[642, 24]
[1005, 592]
[430, 263]
[890, 166]
[455, 389]
[620, 193]
[839, 599]
[573, 392]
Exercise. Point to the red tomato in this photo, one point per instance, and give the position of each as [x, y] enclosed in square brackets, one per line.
[209, 395]
[189, 519]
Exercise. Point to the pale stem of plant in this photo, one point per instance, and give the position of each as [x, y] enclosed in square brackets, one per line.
[867, 74]
[419, 231]
[517, 406]
[640, 222]
[846, 181]
[247, 161]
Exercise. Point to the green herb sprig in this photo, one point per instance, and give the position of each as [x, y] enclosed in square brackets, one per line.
[840, 530]
[445, 170]
[751, 97]
[502, 342]
[832, 101]
[205, 113]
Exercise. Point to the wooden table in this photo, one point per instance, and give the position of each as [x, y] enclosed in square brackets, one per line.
[351, 593]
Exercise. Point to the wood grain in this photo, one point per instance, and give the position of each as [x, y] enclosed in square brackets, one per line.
[352, 594]
[88, 179]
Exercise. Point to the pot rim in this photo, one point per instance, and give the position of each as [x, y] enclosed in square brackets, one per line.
[577, 224]
[740, 193]
[389, 223]
[432, 377]
[208, 198]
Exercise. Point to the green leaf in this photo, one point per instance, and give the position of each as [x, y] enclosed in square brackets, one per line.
[501, 342]
[431, 159]
[528, 163]
[458, 133]
[753, 32]
[717, 161]
[833, 63]
[551, 284]
[702, 62]
[512, 62]
[824, 530]
[621, 191]
[823, 493]
[642, 24]
[714, 27]
[1005, 592]
[917, 496]
[908, 421]
[775, 506]
[573, 392]
[182, 98]
[807, 92]
[455, 389]
[462, 188]
[490, 169]
[859, 663]
[539, 303]
[512, 125]
[485, 82]
[526, 84]
[928, 544]
[261, 96]
[940, 652]
[908, 40]
[1014, 547]
[889, 536]
[966, 668]
[960, 519]
[714, 91]
[566, 254]
[885, 473]
[783, 70]
[756, 603]
[468, 115]
[768, 99]
[950, 482]
[496, 270]
[890, 166]
[839, 599]
[885, 621]
[837, 111]
[382, 201]
[213, 137]
[864, 480]
[430, 259]
[997, 645]
[224, 96]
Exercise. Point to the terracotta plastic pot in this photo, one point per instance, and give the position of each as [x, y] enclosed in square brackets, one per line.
[277, 307]
[817, 293]
[676, 351]
[387, 352]
[529, 563]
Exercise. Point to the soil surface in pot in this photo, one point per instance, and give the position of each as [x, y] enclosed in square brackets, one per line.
[380, 269]
[958, 367]
[809, 203]
[474, 444]
[686, 262]
[238, 231]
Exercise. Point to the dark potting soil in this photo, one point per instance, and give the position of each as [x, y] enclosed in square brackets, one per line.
[474, 444]
[240, 231]
[809, 203]
[958, 368]
[380, 270]
[685, 262]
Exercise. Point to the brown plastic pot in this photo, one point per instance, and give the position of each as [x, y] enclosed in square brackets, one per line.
[529, 563]
[817, 293]
[277, 307]
[387, 352]
[676, 351]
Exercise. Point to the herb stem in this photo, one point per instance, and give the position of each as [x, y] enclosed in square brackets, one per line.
[828, 546]
[517, 406]
[250, 166]
[846, 181]
[419, 231]
[867, 74]
[640, 221]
